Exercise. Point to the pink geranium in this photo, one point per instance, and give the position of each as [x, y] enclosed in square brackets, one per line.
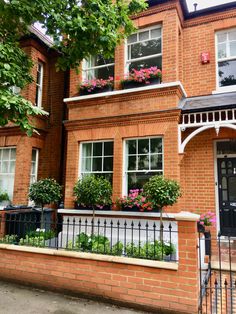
[207, 219]
[143, 75]
[90, 85]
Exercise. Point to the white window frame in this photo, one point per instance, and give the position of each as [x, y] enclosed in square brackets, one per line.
[128, 61]
[86, 69]
[218, 87]
[35, 175]
[102, 156]
[39, 85]
[125, 163]
[9, 160]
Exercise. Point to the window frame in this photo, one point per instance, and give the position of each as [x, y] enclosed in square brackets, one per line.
[36, 166]
[217, 60]
[9, 160]
[85, 69]
[102, 156]
[140, 30]
[39, 86]
[125, 165]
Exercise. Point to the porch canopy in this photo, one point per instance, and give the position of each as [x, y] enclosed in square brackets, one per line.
[203, 113]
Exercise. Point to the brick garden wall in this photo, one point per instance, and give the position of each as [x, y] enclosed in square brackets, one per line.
[142, 286]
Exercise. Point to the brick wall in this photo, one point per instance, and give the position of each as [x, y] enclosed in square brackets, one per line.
[148, 287]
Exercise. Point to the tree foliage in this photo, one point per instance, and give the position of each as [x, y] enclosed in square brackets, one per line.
[79, 28]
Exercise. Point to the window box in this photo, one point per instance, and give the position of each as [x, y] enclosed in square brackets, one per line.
[81, 207]
[96, 90]
[136, 209]
[133, 84]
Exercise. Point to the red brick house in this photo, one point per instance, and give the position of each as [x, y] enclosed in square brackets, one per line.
[183, 128]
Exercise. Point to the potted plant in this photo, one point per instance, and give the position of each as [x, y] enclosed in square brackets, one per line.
[207, 220]
[94, 86]
[93, 192]
[135, 201]
[142, 77]
[45, 191]
[162, 192]
[4, 199]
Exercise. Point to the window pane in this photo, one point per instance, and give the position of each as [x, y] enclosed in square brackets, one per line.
[108, 148]
[131, 147]
[5, 166]
[132, 163]
[225, 148]
[97, 149]
[232, 35]
[232, 49]
[143, 162]
[227, 73]
[13, 154]
[232, 189]
[108, 164]
[156, 162]
[86, 164]
[12, 167]
[156, 32]
[137, 180]
[143, 146]
[97, 164]
[156, 61]
[156, 145]
[100, 60]
[87, 150]
[132, 39]
[222, 51]
[146, 48]
[5, 154]
[144, 35]
[222, 37]
[104, 73]
[33, 155]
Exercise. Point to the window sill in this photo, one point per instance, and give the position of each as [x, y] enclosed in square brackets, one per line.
[128, 91]
[231, 89]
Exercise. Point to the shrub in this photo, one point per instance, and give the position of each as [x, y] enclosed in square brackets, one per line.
[4, 196]
[9, 239]
[93, 191]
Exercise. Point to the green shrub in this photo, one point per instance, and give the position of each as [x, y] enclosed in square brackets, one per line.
[93, 191]
[4, 196]
[9, 239]
[37, 238]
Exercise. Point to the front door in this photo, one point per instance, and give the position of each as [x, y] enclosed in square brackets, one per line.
[227, 195]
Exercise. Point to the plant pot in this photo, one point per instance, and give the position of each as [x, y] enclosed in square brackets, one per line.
[106, 207]
[96, 90]
[136, 209]
[207, 235]
[200, 228]
[134, 84]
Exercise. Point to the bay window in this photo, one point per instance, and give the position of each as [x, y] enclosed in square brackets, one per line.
[143, 159]
[7, 170]
[97, 159]
[34, 166]
[226, 58]
[98, 67]
[144, 49]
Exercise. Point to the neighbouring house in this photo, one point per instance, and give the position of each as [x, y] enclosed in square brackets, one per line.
[182, 127]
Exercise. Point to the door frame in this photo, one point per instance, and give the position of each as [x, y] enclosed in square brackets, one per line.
[217, 207]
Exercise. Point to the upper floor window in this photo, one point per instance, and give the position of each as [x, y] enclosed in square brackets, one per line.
[7, 170]
[226, 58]
[144, 49]
[97, 159]
[34, 166]
[39, 85]
[98, 67]
[143, 159]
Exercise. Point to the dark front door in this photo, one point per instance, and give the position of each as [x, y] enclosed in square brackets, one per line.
[227, 195]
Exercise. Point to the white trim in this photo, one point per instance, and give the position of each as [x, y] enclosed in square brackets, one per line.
[129, 91]
[85, 69]
[223, 90]
[39, 86]
[216, 188]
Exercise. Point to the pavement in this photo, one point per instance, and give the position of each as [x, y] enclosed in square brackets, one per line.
[17, 299]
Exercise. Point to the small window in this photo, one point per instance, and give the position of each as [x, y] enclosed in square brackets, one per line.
[98, 67]
[39, 85]
[7, 170]
[34, 166]
[97, 158]
[143, 159]
[226, 58]
[144, 49]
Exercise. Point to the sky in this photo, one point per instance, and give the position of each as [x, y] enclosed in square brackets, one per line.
[205, 3]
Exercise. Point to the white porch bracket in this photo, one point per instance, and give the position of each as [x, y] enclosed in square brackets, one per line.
[203, 121]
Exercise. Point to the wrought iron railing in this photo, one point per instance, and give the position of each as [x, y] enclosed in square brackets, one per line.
[118, 237]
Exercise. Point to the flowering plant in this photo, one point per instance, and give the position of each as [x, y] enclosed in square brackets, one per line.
[135, 198]
[143, 75]
[90, 85]
[207, 219]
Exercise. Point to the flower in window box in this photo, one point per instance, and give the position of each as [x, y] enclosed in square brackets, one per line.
[94, 86]
[142, 77]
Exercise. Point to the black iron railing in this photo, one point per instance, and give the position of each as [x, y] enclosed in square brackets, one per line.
[217, 274]
[119, 237]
